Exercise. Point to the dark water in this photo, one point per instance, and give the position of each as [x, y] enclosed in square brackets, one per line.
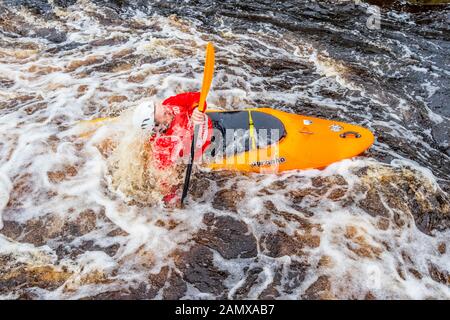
[401, 68]
[393, 66]
[396, 63]
[375, 227]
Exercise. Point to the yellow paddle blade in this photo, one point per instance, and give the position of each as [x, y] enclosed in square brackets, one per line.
[92, 125]
[207, 76]
[96, 120]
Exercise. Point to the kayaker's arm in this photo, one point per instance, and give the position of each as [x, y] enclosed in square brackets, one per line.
[201, 120]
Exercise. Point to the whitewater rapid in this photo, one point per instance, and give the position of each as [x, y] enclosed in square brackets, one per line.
[369, 227]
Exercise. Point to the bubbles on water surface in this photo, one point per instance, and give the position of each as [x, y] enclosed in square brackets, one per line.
[76, 218]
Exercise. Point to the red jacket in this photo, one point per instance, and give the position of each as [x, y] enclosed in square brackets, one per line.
[175, 142]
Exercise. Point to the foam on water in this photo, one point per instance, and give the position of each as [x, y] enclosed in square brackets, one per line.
[105, 228]
[375, 273]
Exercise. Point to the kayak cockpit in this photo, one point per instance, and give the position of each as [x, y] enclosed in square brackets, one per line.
[240, 131]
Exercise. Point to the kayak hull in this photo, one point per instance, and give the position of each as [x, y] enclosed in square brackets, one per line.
[308, 143]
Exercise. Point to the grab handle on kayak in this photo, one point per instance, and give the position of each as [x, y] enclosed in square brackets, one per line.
[350, 133]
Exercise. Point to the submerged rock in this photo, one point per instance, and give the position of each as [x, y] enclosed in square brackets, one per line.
[167, 282]
[373, 205]
[280, 244]
[198, 268]
[61, 175]
[251, 279]
[41, 7]
[23, 277]
[75, 64]
[319, 290]
[227, 199]
[405, 191]
[228, 236]
[439, 275]
[51, 35]
[293, 235]
[64, 3]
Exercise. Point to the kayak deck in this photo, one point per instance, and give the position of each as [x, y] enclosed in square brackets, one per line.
[282, 141]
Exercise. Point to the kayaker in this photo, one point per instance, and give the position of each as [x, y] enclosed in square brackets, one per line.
[172, 131]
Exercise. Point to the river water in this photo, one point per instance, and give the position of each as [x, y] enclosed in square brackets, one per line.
[75, 223]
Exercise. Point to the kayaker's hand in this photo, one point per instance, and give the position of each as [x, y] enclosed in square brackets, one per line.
[201, 120]
[198, 117]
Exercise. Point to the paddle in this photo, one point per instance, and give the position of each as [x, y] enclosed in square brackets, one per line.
[207, 79]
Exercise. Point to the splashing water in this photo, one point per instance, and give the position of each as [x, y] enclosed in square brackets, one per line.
[75, 210]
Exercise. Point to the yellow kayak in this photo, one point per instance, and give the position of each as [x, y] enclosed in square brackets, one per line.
[270, 140]
[299, 142]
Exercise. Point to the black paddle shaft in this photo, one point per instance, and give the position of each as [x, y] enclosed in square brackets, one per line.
[187, 177]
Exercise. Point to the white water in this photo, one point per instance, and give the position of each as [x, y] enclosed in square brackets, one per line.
[40, 136]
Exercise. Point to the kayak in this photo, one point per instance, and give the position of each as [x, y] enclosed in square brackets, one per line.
[266, 140]
[300, 142]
